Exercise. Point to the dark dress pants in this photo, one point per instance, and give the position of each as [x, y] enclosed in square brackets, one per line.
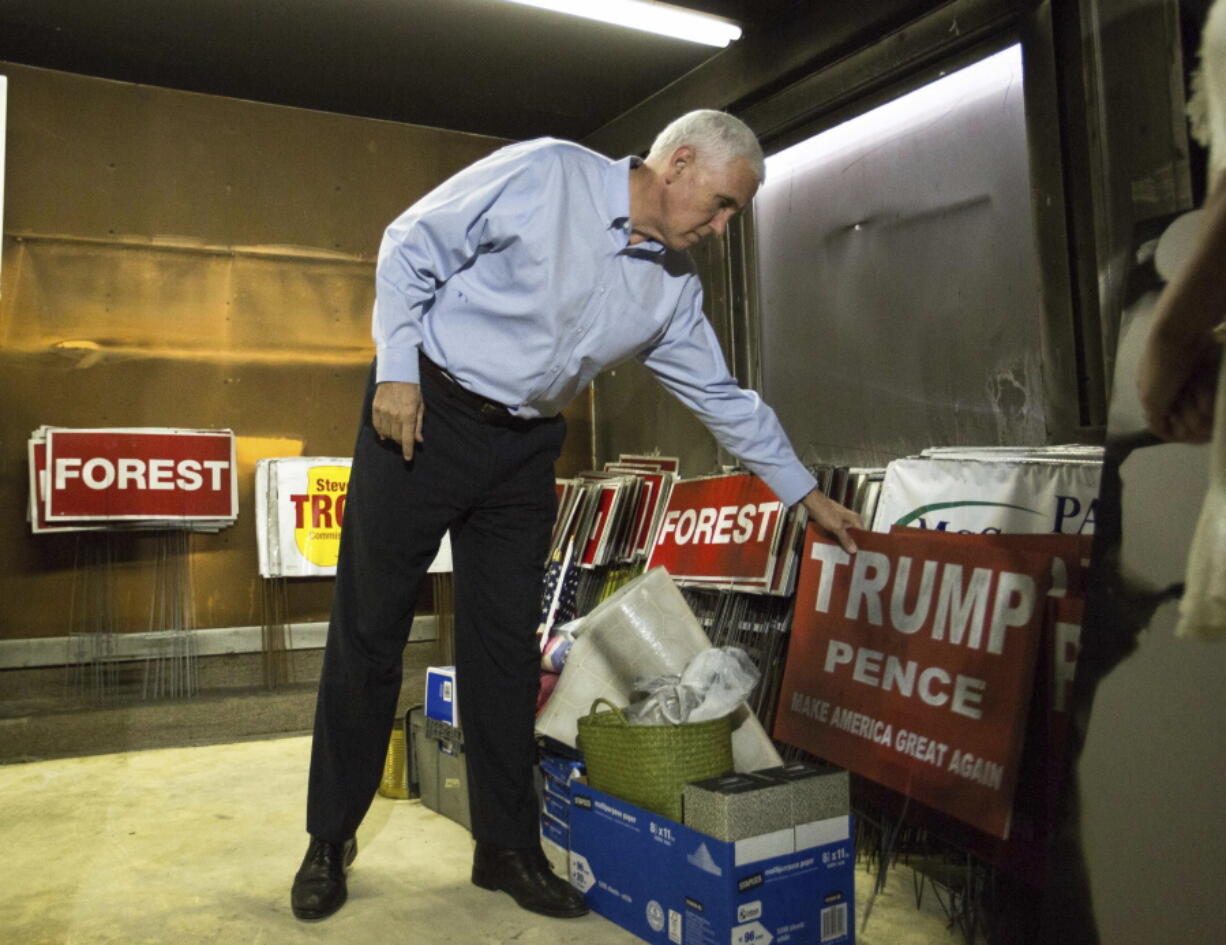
[492, 484]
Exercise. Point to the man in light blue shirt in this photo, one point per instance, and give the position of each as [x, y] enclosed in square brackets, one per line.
[499, 297]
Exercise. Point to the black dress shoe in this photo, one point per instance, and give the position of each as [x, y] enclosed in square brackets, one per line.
[319, 886]
[526, 876]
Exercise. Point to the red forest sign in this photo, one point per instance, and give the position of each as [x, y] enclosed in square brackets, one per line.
[722, 530]
[134, 474]
[37, 452]
[911, 663]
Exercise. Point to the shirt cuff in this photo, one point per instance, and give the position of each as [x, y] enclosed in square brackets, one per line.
[397, 364]
[791, 484]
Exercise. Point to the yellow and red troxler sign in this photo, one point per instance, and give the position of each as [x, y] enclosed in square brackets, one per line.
[318, 512]
[300, 508]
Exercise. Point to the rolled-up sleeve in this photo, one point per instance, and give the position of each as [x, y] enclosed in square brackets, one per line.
[689, 362]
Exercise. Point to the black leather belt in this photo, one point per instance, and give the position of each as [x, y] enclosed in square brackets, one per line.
[490, 410]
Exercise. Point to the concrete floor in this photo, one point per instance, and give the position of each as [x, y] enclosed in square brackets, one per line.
[199, 845]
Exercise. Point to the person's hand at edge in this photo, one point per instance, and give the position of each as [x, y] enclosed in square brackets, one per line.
[833, 519]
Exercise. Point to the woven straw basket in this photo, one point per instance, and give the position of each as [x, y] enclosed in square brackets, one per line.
[649, 765]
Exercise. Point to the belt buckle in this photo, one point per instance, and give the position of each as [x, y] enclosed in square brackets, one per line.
[491, 412]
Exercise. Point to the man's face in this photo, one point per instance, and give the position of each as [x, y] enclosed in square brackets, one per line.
[701, 198]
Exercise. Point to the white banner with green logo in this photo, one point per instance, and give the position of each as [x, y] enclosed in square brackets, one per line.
[1004, 491]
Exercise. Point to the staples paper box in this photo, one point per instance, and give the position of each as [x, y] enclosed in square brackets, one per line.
[555, 831]
[441, 700]
[556, 808]
[671, 885]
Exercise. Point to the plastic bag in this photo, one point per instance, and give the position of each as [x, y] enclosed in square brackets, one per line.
[712, 685]
[667, 702]
[725, 676]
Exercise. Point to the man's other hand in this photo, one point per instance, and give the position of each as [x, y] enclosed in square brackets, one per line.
[833, 519]
[397, 414]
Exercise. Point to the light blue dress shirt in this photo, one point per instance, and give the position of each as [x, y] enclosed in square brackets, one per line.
[518, 277]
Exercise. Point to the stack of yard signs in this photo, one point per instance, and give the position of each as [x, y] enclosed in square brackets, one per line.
[173, 481]
[124, 478]
[603, 533]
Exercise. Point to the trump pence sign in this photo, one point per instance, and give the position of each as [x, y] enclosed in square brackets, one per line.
[911, 663]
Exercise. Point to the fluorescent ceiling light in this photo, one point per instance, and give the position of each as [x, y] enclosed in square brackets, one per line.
[998, 74]
[661, 18]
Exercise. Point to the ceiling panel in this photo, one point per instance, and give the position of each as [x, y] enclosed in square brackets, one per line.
[483, 66]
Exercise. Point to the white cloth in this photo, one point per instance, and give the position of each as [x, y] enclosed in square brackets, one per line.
[1202, 610]
[1203, 607]
[1207, 106]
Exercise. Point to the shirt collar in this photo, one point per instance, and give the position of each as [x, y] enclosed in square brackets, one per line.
[617, 192]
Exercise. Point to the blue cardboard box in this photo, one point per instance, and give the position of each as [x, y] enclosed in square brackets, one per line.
[555, 831]
[559, 789]
[561, 770]
[441, 696]
[669, 884]
[556, 807]
[557, 773]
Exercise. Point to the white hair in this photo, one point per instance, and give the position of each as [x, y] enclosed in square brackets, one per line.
[712, 134]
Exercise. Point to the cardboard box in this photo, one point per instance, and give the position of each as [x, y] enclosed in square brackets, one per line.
[559, 789]
[556, 807]
[738, 806]
[669, 884]
[818, 791]
[556, 852]
[555, 831]
[557, 773]
[561, 769]
[441, 695]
